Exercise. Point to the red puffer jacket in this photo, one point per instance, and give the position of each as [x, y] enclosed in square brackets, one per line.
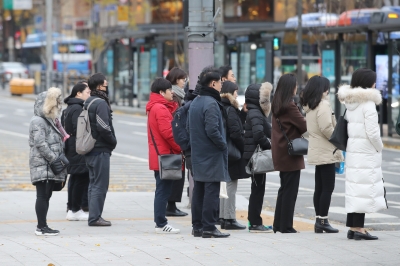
[159, 112]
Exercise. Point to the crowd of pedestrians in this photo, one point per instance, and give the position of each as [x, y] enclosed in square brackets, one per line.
[206, 131]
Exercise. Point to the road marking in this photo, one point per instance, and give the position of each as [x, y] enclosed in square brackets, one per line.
[137, 124]
[393, 202]
[14, 134]
[130, 157]
[390, 173]
[139, 133]
[342, 210]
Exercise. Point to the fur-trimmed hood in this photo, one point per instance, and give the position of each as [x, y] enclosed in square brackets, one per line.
[48, 104]
[260, 96]
[352, 97]
[231, 99]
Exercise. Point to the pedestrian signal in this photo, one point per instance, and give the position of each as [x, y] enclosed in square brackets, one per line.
[277, 44]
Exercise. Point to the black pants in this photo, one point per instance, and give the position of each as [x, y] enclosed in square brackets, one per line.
[44, 191]
[324, 186]
[205, 204]
[286, 201]
[78, 186]
[163, 191]
[99, 179]
[355, 219]
[256, 199]
[177, 189]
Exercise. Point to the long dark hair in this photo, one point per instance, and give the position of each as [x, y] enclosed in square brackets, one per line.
[363, 77]
[283, 94]
[80, 87]
[174, 74]
[312, 93]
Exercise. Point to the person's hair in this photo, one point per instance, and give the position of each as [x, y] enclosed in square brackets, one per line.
[211, 74]
[229, 87]
[283, 93]
[160, 84]
[79, 87]
[224, 70]
[174, 74]
[312, 93]
[96, 80]
[82, 81]
[363, 77]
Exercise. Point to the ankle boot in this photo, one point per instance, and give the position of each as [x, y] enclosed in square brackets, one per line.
[322, 224]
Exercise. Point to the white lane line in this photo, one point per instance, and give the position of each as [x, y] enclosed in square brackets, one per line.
[390, 173]
[342, 210]
[130, 157]
[139, 133]
[138, 124]
[393, 202]
[14, 134]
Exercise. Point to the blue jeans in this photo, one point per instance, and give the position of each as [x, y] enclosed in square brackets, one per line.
[163, 191]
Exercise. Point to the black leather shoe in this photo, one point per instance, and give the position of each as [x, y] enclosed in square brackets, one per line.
[233, 225]
[214, 234]
[366, 236]
[350, 234]
[100, 222]
[322, 224]
[197, 232]
[176, 212]
[219, 221]
[276, 229]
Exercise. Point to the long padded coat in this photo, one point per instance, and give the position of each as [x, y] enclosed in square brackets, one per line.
[365, 192]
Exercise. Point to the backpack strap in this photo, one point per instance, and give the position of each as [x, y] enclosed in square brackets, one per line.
[95, 99]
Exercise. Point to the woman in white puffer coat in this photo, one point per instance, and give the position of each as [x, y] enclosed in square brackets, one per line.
[365, 192]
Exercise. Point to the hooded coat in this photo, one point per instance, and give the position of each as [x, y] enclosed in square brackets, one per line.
[320, 125]
[45, 140]
[235, 132]
[159, 117]
[69, 119]
[257, 127]
[365, 192]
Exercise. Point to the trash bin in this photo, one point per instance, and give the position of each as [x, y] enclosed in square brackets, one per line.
[22, 86]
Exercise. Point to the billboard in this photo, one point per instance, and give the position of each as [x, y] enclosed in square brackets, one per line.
[382, 75]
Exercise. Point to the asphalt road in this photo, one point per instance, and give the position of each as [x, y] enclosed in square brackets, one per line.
[16, 112]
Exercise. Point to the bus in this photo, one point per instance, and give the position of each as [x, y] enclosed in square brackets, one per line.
[69, 55]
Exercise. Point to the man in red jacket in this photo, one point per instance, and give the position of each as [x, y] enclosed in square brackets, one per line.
[161, 141]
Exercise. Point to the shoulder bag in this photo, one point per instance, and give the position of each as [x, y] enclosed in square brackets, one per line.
[260, 162]
[298, 146]
[339, 136]
[170, 165]
[234, 153]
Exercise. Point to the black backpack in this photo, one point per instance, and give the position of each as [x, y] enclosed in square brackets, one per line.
[179, 130]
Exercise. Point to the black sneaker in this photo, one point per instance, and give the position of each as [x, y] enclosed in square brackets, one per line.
[46, 231]
[260, 229]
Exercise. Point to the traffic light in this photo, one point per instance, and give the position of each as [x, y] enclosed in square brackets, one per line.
[277, 43]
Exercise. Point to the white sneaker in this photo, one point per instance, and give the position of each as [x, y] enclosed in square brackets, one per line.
[77, 216]
[167, 229]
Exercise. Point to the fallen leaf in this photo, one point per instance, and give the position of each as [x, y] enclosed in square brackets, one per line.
[97, 245]
[51, 264]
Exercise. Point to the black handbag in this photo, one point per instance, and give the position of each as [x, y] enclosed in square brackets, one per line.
[59, 164]
[298, 146]
[170, 165]
[339, 136]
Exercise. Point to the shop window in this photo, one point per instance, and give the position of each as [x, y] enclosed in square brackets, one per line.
[166, 11]
[248, 11]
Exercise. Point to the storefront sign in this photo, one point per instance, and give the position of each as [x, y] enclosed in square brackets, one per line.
[17, 4]
[328, 64]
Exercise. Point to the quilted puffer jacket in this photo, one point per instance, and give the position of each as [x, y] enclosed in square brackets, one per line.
[365, 192]
[45, 140]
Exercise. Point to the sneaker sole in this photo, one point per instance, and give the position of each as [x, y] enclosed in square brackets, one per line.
[45, 234]
[163, 232]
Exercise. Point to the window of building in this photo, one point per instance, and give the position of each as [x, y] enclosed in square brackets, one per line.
[248, 11]
[166, 11]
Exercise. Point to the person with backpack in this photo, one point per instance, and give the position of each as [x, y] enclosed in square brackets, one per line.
[46, 146]
[236, 168]
[78, 182]
[159, 110]
[257, 132]
[177, 77]
[98, 158]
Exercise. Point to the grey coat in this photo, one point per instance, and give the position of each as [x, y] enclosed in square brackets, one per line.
[45, 140]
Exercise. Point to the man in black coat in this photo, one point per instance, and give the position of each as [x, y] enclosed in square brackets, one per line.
[98, 159]
[209, 154]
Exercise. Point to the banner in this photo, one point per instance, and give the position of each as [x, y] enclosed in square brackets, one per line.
[17, 4]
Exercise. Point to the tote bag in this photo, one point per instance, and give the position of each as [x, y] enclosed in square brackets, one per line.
[339, 136]
[260, 162]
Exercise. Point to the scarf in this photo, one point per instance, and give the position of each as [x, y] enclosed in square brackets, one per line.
[60, 128]
[178, 92]
[102, 95]
[207, 91]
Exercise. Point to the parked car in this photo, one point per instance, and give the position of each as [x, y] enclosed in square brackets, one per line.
[312, 20]
[9, 70]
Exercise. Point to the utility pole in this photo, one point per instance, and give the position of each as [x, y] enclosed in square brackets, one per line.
[299, 45]
[49, 42]
[200, 34]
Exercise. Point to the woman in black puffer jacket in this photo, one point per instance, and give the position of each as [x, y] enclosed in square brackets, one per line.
[235, 131]
[79, 174]
[257, 132]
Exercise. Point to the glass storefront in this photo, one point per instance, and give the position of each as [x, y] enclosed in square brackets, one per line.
[394, 91]
[248, 11]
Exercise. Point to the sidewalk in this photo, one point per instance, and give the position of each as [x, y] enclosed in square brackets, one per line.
[131, 239]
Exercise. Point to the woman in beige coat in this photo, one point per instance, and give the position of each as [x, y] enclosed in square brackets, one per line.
[321, 153]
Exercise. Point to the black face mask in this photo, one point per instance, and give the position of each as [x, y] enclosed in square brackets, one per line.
[106, 91]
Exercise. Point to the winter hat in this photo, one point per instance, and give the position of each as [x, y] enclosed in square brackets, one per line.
[229, 87]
